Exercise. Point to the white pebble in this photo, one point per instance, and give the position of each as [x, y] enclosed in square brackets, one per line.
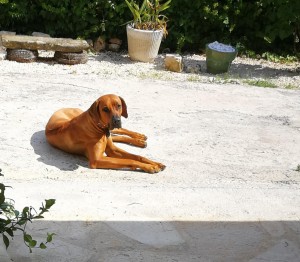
[221, 47]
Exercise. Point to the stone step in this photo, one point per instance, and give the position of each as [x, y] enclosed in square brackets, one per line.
[43, 43]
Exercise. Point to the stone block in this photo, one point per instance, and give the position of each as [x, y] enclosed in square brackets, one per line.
[5, 33]
[99, 44]
[43, 43]
[173, 63]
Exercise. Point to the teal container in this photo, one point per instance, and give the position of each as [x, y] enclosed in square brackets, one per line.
[218, 62]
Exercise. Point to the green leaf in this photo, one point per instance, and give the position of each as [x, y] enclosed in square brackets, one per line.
[43, 246]
[2, 196]
[38, 217]
[22, 222]
[25, 210]
[268, 39]
[17, 213]
[165, 6]
[27, 238]
[10, 232]
[6, 241]
[50, 237]
[32, 243]
[49, 203]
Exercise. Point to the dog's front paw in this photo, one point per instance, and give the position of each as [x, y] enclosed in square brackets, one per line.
[153, 168]
[161, 166]
[140, 143]
[140, 136]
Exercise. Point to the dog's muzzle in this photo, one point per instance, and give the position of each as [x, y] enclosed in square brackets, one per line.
[116, 122]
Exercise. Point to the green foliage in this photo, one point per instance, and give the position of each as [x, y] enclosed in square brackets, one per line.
[260, 26]
[148, 16]
[64, 18]
[12, 220]
[279, 58]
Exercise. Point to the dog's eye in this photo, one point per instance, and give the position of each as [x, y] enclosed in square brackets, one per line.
[119, 106]
[105, 109]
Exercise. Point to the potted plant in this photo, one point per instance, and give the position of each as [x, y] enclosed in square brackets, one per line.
[146, 30]
[12, 220]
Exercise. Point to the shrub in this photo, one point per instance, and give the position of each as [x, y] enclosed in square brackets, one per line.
[260, 25]
[12, 220]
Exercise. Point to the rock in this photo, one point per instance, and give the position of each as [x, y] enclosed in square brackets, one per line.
[166, 50]
[99, 44]
[211, 79]
[71, 58]
[116, 41]
[40, 34]
[173, 63]
[193, 69]
[113, 47]
[235, 81]
[90, 42]
[114, 44]
[44, 43]
[22, 55]
[2, 53]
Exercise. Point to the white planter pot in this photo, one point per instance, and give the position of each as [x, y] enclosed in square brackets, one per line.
[143, 45]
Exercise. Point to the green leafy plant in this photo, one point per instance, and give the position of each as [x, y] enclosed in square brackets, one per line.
[12, 220]
[148, 16]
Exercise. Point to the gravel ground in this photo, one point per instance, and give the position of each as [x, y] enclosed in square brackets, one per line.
[118, 65]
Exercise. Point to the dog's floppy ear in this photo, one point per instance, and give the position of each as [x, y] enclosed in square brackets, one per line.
[94, 109]
[124, 108]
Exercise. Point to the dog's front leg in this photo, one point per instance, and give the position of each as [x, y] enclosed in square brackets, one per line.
[126, 132]
[115, 160]
[130, 141]
[113, 151]
[122, 135]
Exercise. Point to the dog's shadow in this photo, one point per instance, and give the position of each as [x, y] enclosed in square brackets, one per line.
[55, 157]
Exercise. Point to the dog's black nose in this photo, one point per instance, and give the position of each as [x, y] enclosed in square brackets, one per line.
[116, 122]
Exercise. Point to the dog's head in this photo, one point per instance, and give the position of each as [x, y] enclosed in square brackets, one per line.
[108, 110]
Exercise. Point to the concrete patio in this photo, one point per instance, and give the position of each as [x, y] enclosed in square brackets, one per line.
[230, 192]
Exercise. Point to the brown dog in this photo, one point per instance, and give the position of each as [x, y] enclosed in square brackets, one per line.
[88, 133]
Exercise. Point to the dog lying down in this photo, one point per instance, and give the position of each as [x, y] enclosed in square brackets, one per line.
[89, 133]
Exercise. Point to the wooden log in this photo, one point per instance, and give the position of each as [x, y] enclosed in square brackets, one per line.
[43, 43]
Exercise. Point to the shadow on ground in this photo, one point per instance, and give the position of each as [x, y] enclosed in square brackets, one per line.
[163, 241]
[243, 70]
[112, 57]
[258, 71]
[55, 157]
